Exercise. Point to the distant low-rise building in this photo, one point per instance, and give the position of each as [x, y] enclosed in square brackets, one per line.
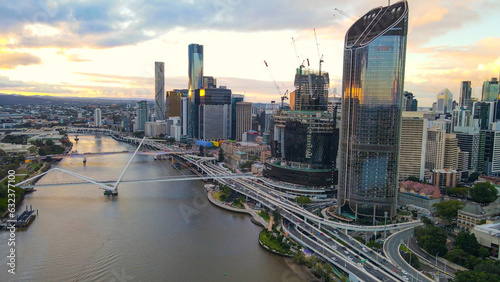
[17, 149]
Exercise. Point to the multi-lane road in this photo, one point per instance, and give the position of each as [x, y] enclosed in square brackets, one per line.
[317, 233]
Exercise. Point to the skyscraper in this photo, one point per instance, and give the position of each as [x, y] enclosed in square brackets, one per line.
[160, 106]
[444, 102]
[142, 115]
[97, 117]
[465, 94]
[373, 81]
[311, 90]
[490, 90]
[243, 118]
[195, 57]
[413, 145]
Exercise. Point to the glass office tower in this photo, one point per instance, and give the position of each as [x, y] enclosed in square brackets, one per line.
[374, 63]
[195, 55]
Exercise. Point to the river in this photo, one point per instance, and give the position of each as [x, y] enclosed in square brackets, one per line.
[165, 231]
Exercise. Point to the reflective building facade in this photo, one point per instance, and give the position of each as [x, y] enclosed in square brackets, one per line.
[160, 106]
[195, 54]
[373, 78]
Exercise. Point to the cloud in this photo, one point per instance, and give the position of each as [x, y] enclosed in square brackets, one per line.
[11, 60]
[477, 63]
[16, 86]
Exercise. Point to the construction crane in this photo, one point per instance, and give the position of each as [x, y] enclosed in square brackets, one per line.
[346, 15]
[319, 56]
[284, 96]
[301, 65]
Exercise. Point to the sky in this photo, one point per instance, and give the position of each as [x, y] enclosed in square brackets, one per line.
[108, 48]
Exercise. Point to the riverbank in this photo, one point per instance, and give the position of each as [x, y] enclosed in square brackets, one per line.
[298, 272]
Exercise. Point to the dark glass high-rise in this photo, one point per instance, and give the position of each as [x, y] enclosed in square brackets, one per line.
[195, 56]
[373, 83]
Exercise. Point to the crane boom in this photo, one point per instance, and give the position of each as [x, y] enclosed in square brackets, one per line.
[283, 96]
[346, 15]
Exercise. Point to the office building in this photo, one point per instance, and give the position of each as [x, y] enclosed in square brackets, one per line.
[465, 94]
[373, 83]
[155, 128]
[484, 112]
[491, 164]
[473, 144]
[409, 102]
[311, 90]
[174, 102]
[434, 155]
[444, 102]
[213, 106]
[97, 117]
[141, 115]
[243, 119]
[490, 90]
[195, 75]
[235, 98]
[413, 145]
[451, 152]
[160, 106]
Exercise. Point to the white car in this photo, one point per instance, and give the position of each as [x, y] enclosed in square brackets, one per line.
[375, 268]
[334, 259]
[405, 278]
[404, 272]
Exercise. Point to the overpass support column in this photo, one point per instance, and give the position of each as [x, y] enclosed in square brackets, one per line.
[319, 225]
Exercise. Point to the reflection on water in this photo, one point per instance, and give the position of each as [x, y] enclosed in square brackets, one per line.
[165, 231]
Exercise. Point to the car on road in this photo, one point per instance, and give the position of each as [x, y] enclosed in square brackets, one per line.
[365, 250]
[346, 252]
[375, 268]
[405, 278]
[404, 272]
[360, 265]
[350, 258]
[394, 270]
[334, 259]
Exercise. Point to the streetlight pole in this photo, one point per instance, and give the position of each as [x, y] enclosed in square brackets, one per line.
[385, 226]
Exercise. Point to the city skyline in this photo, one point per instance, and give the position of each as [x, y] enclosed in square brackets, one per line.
[96, 49]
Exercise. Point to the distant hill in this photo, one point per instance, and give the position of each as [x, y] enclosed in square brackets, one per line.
[14, 99]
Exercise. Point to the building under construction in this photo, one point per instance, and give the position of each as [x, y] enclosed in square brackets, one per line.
[304, 148]
[311, 90]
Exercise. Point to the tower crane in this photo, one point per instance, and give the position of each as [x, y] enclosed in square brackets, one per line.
[346, 15]
[319, 56]
[301, 65]
[284, 96]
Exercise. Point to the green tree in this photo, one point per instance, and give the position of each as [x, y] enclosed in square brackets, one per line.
[483, 192]
[277, 215]
[221, 155]
[460, 192]
[412, 259]
[49, 143]
[467, 242]
[448, 210]
[474, 176]
[302, 200]
[426, 220]
[432, 239]
[170, 140]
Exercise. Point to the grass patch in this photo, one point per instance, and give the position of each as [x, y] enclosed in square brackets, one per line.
[216, 195]
[264, 215]
[405, 249]
[277, 243]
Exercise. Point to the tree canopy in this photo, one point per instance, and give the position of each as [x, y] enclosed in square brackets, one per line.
[432, 239]
[448, 210]
[303, 200]
[483, 192]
